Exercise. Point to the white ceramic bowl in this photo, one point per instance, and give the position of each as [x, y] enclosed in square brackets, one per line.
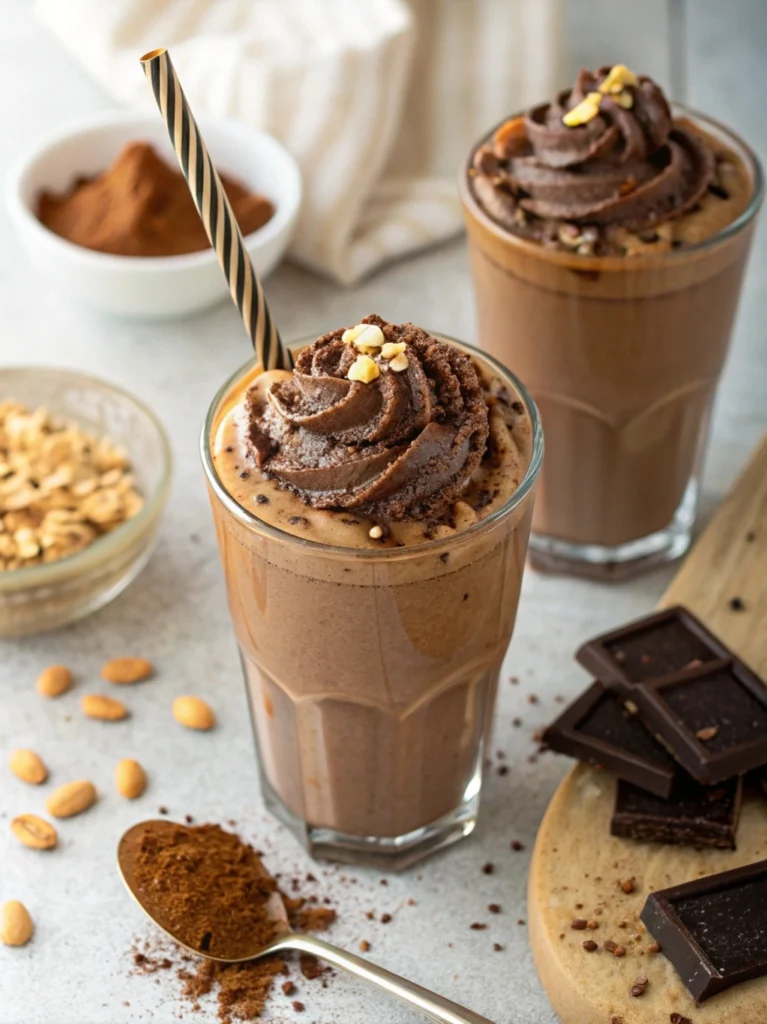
[138, 286]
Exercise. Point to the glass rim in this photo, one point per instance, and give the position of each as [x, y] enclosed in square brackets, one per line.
[365, 554]
[469, 200]
[100, 550]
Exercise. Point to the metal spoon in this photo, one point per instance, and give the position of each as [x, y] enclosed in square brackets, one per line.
[434, 1006]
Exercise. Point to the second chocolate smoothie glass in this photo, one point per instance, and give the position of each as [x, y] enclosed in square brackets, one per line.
[620, 333]
[372, 674]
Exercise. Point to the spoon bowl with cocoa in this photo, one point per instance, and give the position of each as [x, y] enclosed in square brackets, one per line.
[186, 879]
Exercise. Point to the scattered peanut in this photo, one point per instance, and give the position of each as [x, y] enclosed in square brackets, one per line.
[584, 111]
[34, 832]
[96, 705]
[364, 337]
[54, 681]
[71, 798]
[363, 369]
[16, 926]
[28, 766]
[127, 670]
[130, 778]
[392, 349]
[193, 713]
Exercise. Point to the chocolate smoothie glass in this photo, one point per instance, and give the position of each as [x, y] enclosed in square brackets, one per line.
[372, 512]
[608, 237]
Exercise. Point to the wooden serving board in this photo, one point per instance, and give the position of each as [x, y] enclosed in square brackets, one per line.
[577, 864]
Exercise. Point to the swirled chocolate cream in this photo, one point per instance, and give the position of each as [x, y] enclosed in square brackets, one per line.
[383, 435]
[606, 169]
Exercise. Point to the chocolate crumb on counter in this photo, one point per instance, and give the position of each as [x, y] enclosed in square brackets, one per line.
[532, 698]
[385, 918]
[298, 1006]
[162, 810]
[516, 845]
[477, 926]
[516, 722]
[737, 604]
[310, 966]
[521, 921]
[494, 908]
[365, 946]
[288, 988]
[502, 769]
[497, 947]
[488, 868]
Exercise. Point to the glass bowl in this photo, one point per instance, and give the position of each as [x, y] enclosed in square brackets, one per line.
[42, 597]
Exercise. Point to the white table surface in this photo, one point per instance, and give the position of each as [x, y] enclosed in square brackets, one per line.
[76, 971]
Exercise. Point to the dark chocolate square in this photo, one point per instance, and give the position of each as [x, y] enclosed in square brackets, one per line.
[694, 815]
[654, 646]
[599, 729]
[714, 929]
[712, 719]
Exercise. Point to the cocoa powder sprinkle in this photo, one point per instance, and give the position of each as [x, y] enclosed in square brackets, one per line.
[213, 888]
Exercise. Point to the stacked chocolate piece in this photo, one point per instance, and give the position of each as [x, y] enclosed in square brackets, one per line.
[678, 718]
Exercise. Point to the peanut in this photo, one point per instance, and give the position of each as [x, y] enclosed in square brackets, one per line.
[96, 705]
[127, 670]
[15, 924]
[130, 778]
[28, 766]
[34, 832]
[71, 798]
[54, 681]
[193, 713]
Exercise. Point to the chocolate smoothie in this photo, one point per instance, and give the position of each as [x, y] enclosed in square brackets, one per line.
[608, 239]
[373, 511]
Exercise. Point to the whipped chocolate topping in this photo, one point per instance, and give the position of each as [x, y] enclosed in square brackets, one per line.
[402, 445]
[624, 163]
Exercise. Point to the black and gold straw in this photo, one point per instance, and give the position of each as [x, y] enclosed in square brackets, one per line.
[215, 212]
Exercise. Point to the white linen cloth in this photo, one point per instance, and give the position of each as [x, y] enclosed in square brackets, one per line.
[379, 100]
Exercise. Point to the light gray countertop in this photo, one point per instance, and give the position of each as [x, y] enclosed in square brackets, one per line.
[77, 969]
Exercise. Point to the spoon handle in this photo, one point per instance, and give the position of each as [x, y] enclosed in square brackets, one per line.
[434, 1006]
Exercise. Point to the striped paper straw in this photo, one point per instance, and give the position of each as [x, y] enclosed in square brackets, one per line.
[215, 212]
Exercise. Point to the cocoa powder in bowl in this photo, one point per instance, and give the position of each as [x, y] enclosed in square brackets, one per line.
[140, 206]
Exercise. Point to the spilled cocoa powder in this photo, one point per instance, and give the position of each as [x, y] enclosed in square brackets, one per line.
[211, 889]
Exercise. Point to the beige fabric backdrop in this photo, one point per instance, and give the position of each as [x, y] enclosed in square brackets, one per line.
[379, 100]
